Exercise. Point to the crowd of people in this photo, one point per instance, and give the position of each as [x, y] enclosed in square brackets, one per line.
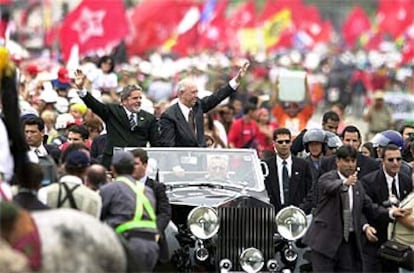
[73, 124]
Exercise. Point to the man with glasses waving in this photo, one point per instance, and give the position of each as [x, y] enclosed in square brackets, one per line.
[290, 178]
[127, 124]
[386, 187]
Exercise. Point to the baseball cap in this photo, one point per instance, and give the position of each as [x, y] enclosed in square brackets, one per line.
[77, 159]
[122, 157]
[63, 75]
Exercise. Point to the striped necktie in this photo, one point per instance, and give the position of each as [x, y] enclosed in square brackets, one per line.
[132, 122]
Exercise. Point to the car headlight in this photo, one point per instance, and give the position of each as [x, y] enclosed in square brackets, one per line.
[251, 260]
[291, 223]
[203, 222]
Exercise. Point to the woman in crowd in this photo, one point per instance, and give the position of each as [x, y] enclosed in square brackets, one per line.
[265, 133]
[215, 131]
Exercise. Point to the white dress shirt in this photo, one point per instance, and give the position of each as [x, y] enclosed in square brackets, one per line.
[279, 165]
[389, 180]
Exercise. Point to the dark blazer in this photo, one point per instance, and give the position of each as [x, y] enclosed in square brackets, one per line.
[375, 185]
[366, 164]
[29, 201]
[300, 184]
[118, 128]
[163, 212]
[325, 232]
[175, 130]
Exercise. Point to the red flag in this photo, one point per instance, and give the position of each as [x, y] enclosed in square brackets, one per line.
[272, 7]
[154, 22]
[93, 25]
[52, 34]
[308, 23]
[242, 17]
[355, 25]
[183, 40]
[326, 32]
[407, 52]
[212, 30]
[393, 17]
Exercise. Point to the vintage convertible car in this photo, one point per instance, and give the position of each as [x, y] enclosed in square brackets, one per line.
[222, 220]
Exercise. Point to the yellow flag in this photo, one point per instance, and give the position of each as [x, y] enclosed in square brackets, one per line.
[273, 27]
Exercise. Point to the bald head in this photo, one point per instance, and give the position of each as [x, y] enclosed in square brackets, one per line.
[95, 176]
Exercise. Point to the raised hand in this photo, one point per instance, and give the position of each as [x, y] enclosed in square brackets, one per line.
[80, 79]
[242, 72]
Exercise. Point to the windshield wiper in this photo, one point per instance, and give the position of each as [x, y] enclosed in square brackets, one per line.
[213, 185]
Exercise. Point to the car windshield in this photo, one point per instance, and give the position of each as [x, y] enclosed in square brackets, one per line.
[226, 168]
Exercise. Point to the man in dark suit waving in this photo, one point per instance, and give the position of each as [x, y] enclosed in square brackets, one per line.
[127, 124]
[290, 178]
[182, 123]
[339, 222]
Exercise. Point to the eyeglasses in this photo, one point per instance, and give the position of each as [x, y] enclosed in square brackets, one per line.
[391, 159]
[285, 141]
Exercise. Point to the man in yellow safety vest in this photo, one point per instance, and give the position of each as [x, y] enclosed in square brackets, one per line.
[129, 207]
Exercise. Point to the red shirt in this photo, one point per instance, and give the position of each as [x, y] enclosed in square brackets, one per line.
[242, 131]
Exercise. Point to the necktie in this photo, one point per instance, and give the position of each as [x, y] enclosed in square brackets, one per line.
[37, 152]
[394, 188]
[285, 180]
[346, 212]
[191, 120]
[132, 122]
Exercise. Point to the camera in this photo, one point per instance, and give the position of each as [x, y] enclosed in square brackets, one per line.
[391, 202]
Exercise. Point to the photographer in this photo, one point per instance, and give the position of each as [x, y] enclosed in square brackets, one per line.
[385, 187]
[407, 132]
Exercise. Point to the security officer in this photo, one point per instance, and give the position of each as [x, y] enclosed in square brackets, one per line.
[129, 207]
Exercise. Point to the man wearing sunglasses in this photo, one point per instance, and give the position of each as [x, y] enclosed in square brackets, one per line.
[290, 178]
[386, 187]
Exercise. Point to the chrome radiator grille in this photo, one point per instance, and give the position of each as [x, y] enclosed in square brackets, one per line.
[241, 228]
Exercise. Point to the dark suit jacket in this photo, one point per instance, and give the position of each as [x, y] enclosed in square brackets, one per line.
[325, 233]
[300, 184]
[29, 201]
[118, 128]
[163, 212]
[175, 130]
[375, 185]
[365, 164]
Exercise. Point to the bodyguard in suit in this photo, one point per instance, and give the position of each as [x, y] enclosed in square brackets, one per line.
[182, 124]
[351, 136]
[380, 186]
[163, 208]
[127, 124]
[290, 178]
[339, 222]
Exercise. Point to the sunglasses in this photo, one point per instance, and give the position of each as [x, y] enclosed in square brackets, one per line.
[391, 159]
[286, 141]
